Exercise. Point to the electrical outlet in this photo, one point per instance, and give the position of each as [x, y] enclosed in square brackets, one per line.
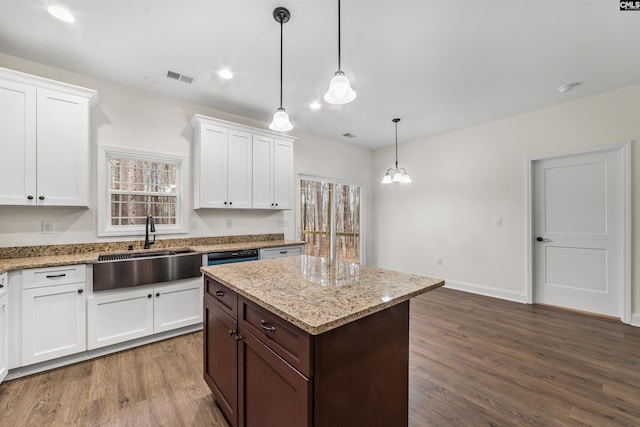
[229, 223]
[498, 222]
[47, 227]
[283, 222]
[194, 223]
[439, 260]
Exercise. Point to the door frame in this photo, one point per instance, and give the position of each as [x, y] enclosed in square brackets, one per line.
[625, 149]
[363, 194]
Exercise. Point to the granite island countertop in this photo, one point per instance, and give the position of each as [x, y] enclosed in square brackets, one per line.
[317, 295]
[10, 264]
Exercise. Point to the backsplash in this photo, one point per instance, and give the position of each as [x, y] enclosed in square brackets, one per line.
[49, 250]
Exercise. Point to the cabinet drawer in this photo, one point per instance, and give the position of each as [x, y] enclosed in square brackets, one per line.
[268, 253]
[286, 340]
[51, 276]
[4, 284]
[224, 297]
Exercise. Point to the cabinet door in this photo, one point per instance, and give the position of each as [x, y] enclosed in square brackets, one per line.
[177, 305]
[283, 174]
[211, 169]
[271, 392]
[239, 169]
[117, 317]
[53, 322]
[263, 172]
[4, 337]
[17, 144]
[62, 149]
[221, 358]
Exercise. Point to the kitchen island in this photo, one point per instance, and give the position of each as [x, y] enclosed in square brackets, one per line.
[301, 341]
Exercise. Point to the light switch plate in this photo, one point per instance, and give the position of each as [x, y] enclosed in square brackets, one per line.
[47, 227]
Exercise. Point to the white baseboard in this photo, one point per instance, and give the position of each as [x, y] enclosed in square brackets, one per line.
[486, 291]
[635, 320]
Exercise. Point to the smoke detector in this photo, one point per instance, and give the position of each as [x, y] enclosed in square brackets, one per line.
[570, 86]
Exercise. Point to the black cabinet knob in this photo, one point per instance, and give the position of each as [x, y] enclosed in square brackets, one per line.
[41, 197]
[157, 294]
[225, 203]
[539, 239]
[30, 197]
[149, 296]
[80, 291]
[230, 203]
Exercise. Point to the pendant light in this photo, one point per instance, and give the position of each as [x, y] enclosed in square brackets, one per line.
[398, 174]
[281, 121]
[340, 91]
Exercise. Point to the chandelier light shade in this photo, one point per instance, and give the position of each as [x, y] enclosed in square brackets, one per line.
[281, 121]
[340, 91]
[397, 175]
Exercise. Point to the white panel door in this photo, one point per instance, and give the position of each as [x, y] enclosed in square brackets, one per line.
[62, 149]
[211, 188]
[262, 172]
[17, 144]
[117, 317]
[283, 175]
[578, 223]
[178, 305]
[239, 169]
[53, 322]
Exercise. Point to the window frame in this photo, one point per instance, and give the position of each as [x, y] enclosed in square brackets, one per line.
[105, 227]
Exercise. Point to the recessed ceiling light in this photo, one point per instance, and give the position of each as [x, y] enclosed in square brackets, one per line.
[61, 13]
[225, 74]
[569, 86]
[315, 105]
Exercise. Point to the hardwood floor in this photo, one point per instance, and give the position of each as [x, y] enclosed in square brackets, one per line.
[474, 361]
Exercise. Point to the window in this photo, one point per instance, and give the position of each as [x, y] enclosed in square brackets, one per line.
[138, 184]
[330, 219]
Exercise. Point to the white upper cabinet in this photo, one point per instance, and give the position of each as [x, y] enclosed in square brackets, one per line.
[272, 173]
[44, 141]
[237, 166]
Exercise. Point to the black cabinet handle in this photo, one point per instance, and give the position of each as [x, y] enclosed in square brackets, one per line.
[149, 296]
[53, 276]
[1, 286]
[157, 294]
[30, 197]
[276, 204]
[41, 197]
[219, 293]
[273, 204]
[264, 326]
[80, 291]
[284, 252]
[225, 203]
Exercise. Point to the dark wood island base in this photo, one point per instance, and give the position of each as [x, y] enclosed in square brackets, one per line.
[266, 371]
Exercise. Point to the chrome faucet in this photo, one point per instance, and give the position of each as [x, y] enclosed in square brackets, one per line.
[150, 226]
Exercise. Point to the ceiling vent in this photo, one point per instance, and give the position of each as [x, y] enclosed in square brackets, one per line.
[180, 77]
[348, 135]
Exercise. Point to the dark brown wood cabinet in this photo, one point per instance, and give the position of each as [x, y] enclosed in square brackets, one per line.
[265, 371]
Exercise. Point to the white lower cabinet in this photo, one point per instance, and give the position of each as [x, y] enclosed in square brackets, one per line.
[53, 322]
[123, 315]
[4, 327]
[281, 251]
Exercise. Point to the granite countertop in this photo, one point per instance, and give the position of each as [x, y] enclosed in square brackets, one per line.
[316, 295]
[92, 257]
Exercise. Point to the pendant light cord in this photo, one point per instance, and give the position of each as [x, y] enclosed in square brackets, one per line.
[281, 36]
[339, 66]
[396, 145]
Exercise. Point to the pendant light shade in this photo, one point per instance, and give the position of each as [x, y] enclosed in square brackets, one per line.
[397, 175]
[281, 121]
[340, 91]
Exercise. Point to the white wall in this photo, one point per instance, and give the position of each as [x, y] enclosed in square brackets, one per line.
[465, 179]
[142, 120]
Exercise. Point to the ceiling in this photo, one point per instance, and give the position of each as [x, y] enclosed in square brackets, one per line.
[437, 64]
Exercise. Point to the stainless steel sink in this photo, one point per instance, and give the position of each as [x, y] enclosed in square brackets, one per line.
[124, 270]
